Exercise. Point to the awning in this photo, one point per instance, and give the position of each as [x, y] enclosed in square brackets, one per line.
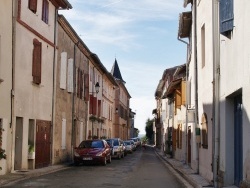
[171, 88]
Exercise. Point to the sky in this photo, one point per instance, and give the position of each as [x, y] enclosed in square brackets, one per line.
[140, 34]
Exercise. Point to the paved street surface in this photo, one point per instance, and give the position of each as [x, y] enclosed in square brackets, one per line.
[142, 169]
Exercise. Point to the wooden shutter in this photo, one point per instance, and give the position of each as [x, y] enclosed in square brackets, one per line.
[63, 70]
[33, 5]
[81, 84]
[90, 104]
[37, 61]
[86, 87]
[78, 82]
[183, 92]
[94, 105]
[70, 75]
[99, 108]
[45, 11]
[226, 16]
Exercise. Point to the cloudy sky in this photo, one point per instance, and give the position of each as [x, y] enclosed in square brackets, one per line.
[140, 34]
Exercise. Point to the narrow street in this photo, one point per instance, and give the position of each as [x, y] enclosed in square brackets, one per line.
[142, 169]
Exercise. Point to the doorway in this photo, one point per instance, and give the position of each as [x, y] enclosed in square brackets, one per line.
[238, 150]
[18, 144]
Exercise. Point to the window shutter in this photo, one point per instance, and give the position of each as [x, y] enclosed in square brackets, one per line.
[78, 82]
[99, 108]
[33, 5]
[45, 12]
[86, 87]
[94, 106]
[90, 104]
[70, 75]
[37, 64]
[226, 16]
[183, 92]
[81, 83]
[63, 70]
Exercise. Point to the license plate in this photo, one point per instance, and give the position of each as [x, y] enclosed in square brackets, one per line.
[87, 158]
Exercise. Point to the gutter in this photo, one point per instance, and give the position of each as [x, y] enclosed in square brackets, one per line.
[186, 127]
[216, 90]
[196, 81]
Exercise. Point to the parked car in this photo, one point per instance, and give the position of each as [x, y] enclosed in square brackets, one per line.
[92, 151]
[118, 150]
[135, 141]
[129, 146]
[111, 145]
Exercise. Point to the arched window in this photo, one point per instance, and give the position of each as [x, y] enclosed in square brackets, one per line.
[204, 131]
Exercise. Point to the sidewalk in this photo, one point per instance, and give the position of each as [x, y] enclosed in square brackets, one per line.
[22, 175]
[186, 172]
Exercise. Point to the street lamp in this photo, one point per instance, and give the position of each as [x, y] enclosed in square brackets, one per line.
[97, 87]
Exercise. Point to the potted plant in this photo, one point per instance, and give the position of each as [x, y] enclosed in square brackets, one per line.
[31, 151]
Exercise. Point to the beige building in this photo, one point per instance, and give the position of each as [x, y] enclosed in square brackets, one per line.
[121, 125]
[6, 64]
[33, 82]
[72, 92]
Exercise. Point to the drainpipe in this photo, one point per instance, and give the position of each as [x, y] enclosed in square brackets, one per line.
[196, 81]
[14, 16]
[186, 127]
[73, 100]
[216, 90]
[54, 84]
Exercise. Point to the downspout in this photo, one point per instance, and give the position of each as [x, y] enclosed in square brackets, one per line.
[73, 101]
[196, 82]
[186, 127]
[54, 85]
[12, 112]
[216, 91]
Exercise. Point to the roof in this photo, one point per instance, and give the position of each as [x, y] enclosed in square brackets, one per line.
[172, 87]
[61, 4]
[116, 72]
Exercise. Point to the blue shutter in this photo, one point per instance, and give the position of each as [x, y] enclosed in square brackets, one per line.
[226, 16]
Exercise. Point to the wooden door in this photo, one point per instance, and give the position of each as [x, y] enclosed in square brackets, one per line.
[43, 130]
[189, 145]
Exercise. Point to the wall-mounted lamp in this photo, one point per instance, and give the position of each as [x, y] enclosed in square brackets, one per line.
[97, 87]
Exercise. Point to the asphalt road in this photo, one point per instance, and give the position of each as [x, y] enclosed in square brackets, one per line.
[142, 169]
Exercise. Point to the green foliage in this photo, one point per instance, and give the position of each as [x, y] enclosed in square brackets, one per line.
[149, 128]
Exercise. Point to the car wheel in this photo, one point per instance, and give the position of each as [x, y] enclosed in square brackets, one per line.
[76, 163]
[104, 162]
[109, 161]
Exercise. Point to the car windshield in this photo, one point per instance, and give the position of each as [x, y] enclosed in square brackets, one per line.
[116, 143]
[91, 144]
[128, 142]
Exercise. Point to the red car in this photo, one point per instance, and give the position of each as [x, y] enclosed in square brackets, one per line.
[92, 151]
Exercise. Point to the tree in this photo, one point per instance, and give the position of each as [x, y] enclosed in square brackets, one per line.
[149, 129]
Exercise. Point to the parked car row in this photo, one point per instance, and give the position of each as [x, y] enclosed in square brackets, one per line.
[102, 151]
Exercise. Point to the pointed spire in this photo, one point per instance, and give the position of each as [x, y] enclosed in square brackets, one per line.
[116, 72]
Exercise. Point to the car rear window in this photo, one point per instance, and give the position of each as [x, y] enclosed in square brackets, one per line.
[91, 144]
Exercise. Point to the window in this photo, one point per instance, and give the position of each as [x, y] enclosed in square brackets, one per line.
[79, 83]
[70, 75]
[63, 70]
[33, 5]
[45, 11]
[86, 87]
[204, 131]
[63, 134]
[203, 46]
[37, 61]
[226, 16]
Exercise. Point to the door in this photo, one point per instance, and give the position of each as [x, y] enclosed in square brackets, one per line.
[238, 162]
[43, 129]
[18, 144]
[189, 144]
